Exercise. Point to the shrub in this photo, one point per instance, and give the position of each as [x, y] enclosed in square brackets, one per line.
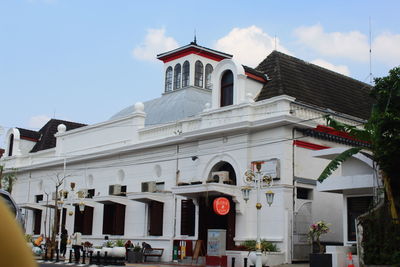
[265, 246]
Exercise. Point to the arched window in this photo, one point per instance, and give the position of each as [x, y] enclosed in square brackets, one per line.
[185, 74]
[198, 74]
[10, 146]
[209, 70]
[177, 76]
[227, 89]
[168, 79]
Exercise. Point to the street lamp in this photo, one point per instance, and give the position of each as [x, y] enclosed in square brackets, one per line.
[257, 180]
[69, 197]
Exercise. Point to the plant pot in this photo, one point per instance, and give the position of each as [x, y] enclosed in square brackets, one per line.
[318, 260]
[253, 258]
[135, 256]
[118, 252]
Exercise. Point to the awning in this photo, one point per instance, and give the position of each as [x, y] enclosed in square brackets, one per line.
[210, 189]
[146, 197]
[48, 204]
[349, 185]
[112, 199]
[88, 202]
[31, 206]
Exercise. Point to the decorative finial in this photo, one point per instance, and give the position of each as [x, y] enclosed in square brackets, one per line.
[195, 41]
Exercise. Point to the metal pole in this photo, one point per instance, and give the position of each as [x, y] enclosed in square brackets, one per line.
[258, 206]
[62, 208]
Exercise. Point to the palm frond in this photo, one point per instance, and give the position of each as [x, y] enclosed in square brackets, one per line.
[353, 131]
[335, 163]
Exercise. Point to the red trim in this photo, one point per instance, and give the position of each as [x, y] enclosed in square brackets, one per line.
[191, 50]
[255, 77]
[29, 138]
[309, 145]
[330, 130]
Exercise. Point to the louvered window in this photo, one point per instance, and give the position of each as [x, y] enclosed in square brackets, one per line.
[156, 214]
[187, 217]
[113, 219]
[83, 220]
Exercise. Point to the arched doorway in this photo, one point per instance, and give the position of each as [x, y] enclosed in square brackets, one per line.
[208, 219]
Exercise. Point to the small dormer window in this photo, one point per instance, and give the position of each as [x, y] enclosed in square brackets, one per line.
[198, 74]
[185, 74]
[168, 79]
[209, 70]
[177, 76]
[227, 89]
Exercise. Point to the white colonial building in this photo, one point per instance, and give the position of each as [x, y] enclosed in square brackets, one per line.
[152, 171]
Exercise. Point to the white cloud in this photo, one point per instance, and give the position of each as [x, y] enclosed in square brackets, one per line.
[385, 48]
[154, 43]
[337, 68]
[353, 45]
[249, 46]
[37, 122]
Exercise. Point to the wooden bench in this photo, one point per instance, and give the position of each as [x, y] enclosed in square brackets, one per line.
[153, 252]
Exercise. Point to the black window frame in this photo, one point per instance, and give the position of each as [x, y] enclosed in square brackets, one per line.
[168, 79]
[227, 84]
[177, 76]
[185, 74]
[208, 71]
[198, 74]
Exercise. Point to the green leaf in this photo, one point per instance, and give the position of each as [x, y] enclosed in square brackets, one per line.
[335, 163]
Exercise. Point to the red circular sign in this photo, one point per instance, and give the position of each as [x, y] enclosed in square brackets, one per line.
[221, 206]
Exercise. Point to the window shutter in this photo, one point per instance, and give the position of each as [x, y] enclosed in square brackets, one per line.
[156, 218]
[38, 222]
[187, 217]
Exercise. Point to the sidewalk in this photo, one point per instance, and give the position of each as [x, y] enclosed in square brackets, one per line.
[175, 265]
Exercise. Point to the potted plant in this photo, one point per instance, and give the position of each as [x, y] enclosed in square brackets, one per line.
[136, 254]
[266, 246]
[317, 257]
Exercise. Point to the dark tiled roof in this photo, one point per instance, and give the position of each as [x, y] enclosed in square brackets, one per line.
[314, 85]
[47, 132]
[28, 134]
[255, 72]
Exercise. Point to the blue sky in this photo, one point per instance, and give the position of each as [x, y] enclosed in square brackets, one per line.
[84, 60]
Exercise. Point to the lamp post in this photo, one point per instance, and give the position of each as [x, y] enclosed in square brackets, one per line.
[257, 180]
[69, 197]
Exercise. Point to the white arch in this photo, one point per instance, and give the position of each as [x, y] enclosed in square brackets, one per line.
[17, 138]
[239, 79]
[217, 159]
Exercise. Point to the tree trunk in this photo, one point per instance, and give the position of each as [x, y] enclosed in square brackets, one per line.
[389, 193]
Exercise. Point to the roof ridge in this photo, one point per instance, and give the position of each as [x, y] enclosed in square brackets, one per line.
[320, 67]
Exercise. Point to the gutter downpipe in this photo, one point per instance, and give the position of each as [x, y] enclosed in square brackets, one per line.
[293, 193]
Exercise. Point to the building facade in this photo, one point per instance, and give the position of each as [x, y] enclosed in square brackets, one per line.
[152, 172]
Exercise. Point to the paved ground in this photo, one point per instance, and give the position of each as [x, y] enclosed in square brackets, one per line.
[59, 264]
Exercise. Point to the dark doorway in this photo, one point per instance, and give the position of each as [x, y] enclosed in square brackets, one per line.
[208, 219]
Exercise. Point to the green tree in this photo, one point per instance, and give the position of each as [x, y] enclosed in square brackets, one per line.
[382, 133]
[7, 180]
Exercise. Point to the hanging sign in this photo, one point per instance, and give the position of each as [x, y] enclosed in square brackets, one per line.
[221, 206]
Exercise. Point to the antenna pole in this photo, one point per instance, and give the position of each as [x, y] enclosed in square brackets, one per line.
[370, 52]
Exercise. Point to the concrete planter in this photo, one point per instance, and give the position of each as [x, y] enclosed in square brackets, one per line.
[135, 256]
[118, 252]
[104, 250]
[318, 260]
[267, 258]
